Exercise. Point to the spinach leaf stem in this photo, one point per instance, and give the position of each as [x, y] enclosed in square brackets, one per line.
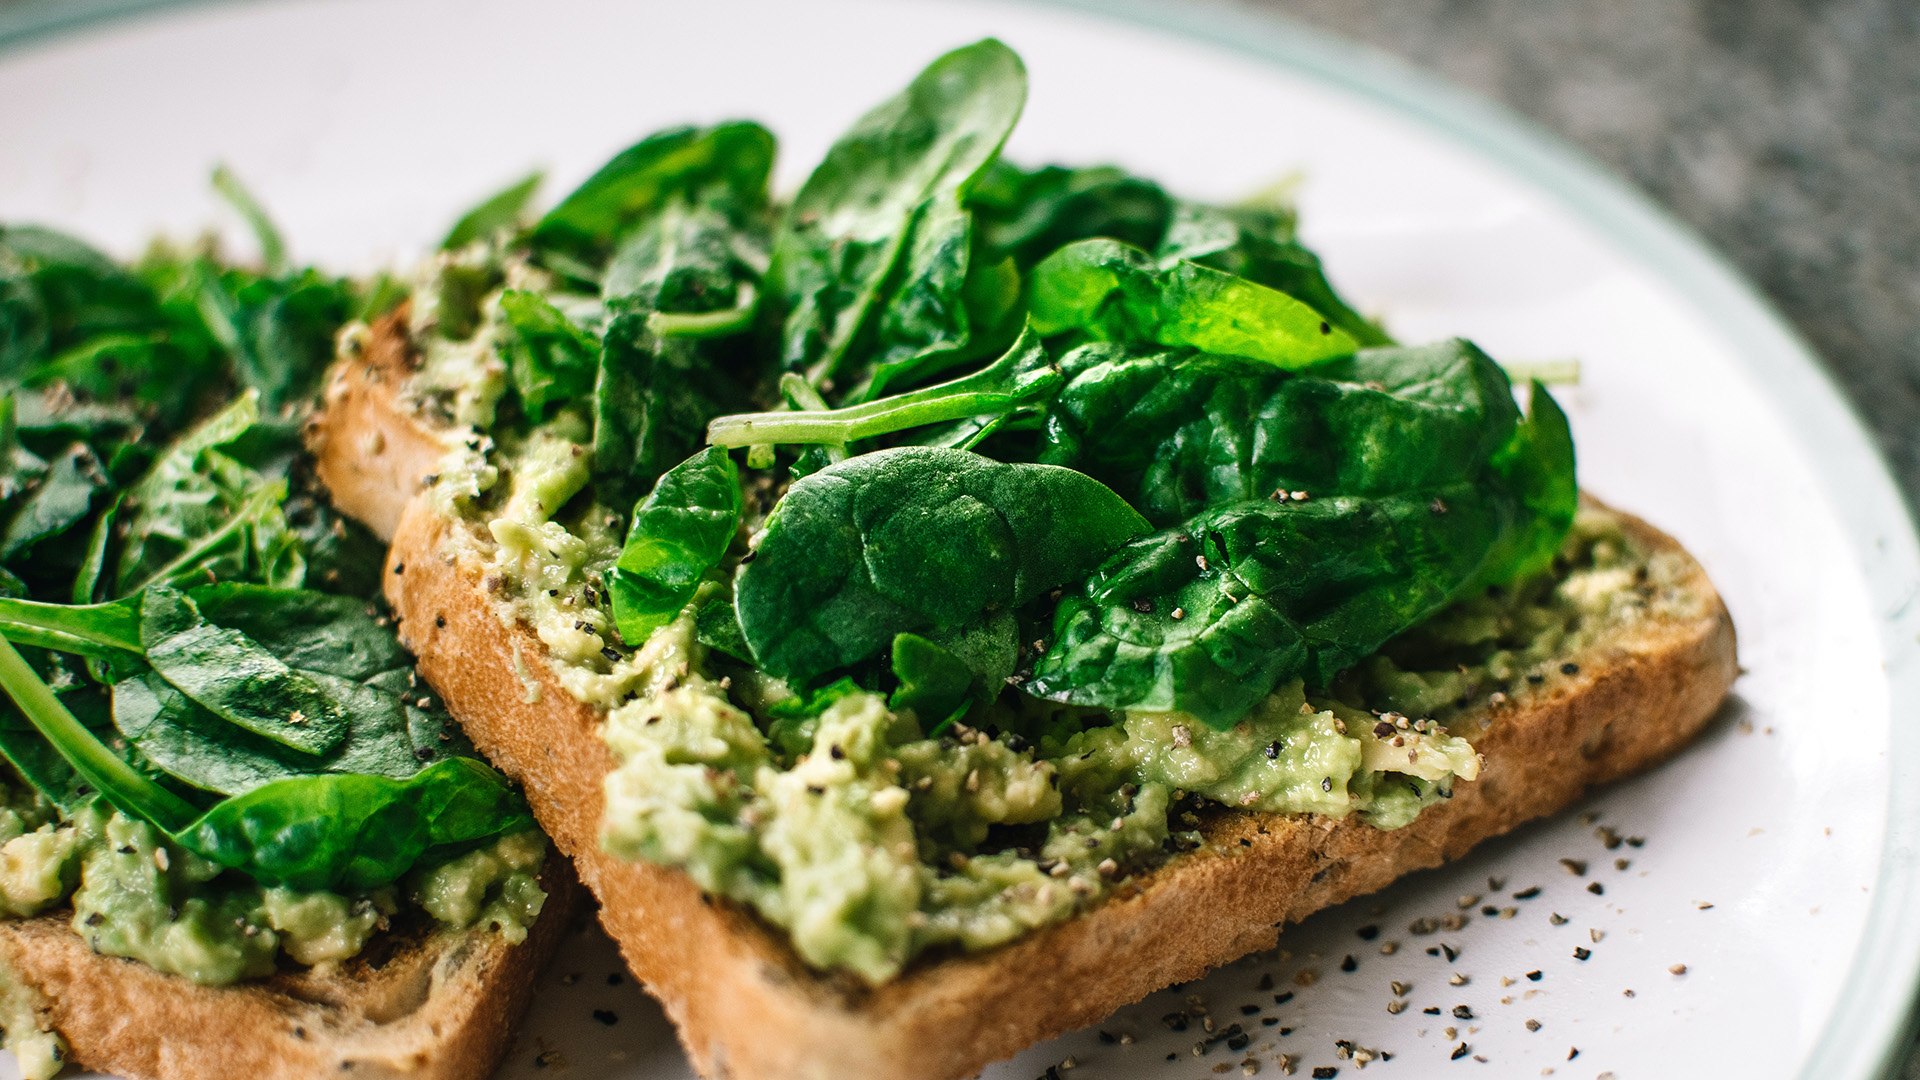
[123, 785]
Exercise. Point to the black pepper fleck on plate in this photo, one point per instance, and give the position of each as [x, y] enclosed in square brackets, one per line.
[1459, 1052]
[1349, 964]
[1368, 932]
[1581, 953]
[606, 1016]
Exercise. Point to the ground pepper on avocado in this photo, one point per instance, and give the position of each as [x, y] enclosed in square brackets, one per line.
[946, 543]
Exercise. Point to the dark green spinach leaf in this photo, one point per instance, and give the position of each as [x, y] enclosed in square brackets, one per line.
[1257, 242]
[680, 532]
[499, 212]
[1105, 290]
[1176, 432]
[872, 263]
[629, 189]
[553, 362]
[1029, 215]
[915, 539]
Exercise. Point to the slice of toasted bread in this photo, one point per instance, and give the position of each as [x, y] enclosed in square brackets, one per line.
[422, 1005]
[748, 1008]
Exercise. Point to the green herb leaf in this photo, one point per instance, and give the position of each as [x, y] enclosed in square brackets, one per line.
[231, 675]
[1030, 215]
[871, 264]
[1257, 242]
[200, 511]
[500, 211]
[552, 361]
[1109, 291]
[61, 498]
[914, 539]
[941, 675]
[652, 401]
[644, 177]
[356, 833]
[680, 532]
[1177, 433]
[1208, 617]
[122, 785]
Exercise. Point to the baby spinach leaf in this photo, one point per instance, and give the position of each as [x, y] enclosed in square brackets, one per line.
[1109, 291]
[1030, 215]
[1023, 376]
[121, 784]
[1176, 433]
[201, 511]
[871, 264]
[353, 832]
[716, 626]
[1538, 464]
[1209, 616]
[652, 401]
[680, 532]
[640, 179]
[934, 683]
[279, 331]
[681, 283]
[941, 674]
[60, 293]
[309, 630]
[498, 212]
[1257, 243]
[99, 630]
[552, 361]
[194, 745]
[694, 265]
[231, 675]
[60, 499]
[914, 539]
[794, 720]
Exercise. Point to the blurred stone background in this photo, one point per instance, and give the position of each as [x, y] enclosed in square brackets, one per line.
[1787, 132]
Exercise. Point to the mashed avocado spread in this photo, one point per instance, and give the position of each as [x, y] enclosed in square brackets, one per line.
[868, 835]
[136, 895]
[945, 546]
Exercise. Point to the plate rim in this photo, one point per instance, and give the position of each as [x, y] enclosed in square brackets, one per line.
[1870, 1028]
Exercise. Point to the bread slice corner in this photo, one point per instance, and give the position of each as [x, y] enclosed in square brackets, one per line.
[747, 1008]
[424, 1005]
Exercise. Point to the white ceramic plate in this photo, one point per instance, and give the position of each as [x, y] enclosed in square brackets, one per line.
[1769, 867]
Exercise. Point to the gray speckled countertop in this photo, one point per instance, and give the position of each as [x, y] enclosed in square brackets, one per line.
[1787, 132]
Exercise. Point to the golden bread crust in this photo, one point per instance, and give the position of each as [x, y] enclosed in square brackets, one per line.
[425, 1006]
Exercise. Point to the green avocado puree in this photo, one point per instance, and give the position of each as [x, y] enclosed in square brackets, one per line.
[870, 842]
[134, 894]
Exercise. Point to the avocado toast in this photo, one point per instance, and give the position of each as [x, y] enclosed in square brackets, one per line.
[239, 838]
[1100, 592]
